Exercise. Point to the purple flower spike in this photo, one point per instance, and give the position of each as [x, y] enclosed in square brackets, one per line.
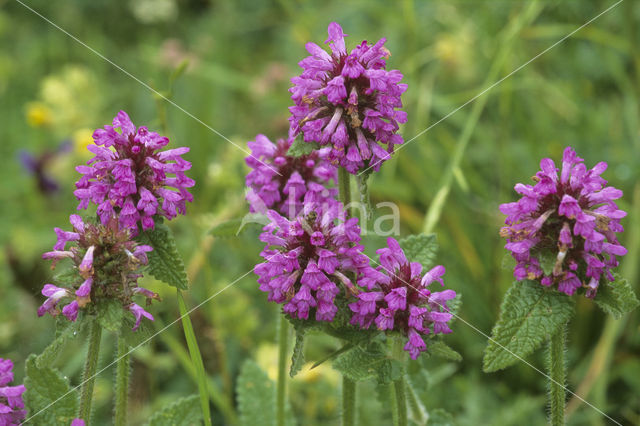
[129, 176]
[107, 263]
[401, 301]
[307, 260]
[348, 101]
[571, 218]
[283, 183]
[12, 410]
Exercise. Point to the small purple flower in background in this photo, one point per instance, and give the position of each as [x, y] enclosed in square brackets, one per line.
[398, 300]
[309, 260]
[283, 183]
[107, 261]
[11, 405]
[348, 101]
[571, 218]
[129, 175]
[77, 422]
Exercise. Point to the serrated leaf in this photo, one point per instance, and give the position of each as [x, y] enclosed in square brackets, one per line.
[165, 262]
[256, 396]
[240, 225]
[297, 358]
[369, 362]
[299, 148]
[183, 412]
[616, 298]
[440, 349]
[51, 352]
[529, 315]
[110, 314]
[421, 248]
[44, 386]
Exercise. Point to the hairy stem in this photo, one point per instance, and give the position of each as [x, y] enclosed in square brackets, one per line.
[348, 401]
[90, 366]
[283, 346]
[344, 186]
[418, 412]
[123, 371]
[399, 388]
[557, 381]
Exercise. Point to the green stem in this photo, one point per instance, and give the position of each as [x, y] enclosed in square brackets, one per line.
[196, 358]
[123, 371]
[418, 412]
[283, 345]
[399, 386]
[90, 366]
[348, 401]
[557, 381]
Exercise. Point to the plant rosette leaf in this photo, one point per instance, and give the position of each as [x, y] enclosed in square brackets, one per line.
[529, 315]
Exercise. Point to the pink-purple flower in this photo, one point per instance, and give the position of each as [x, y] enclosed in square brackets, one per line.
[12, 410]
[571, 219]
[130, 178]
[398, 300]
[107, 264]
[283, 183]
[311, 259]
[349, 101]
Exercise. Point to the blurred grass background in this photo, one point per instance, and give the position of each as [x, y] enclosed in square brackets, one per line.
[241, 55]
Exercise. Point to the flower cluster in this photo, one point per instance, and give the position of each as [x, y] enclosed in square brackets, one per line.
[129, 176]
[283, 183]
[399, 301]
[348, 101]
[572, 219]
[106, 262]
[12, 410]
[310, 259]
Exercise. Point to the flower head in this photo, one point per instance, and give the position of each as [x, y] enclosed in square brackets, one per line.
[12, 410]
[347, 100]
[399, 300]
[107, 262]
[572, 219]
[129, 177]
[283, 183]
[311, 259]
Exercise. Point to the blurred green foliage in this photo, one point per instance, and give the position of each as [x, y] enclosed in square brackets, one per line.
[241, 55]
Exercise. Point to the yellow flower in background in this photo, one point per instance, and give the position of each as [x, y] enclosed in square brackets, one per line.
[38, 114]
[81, 139]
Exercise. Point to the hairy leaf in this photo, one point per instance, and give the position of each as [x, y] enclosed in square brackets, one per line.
[165, 262]
[440, 349]
[183, 412]
[529, 315]
[299, 148]
[421, 248]
[616, 298]
[44, 386]
[362, 363]
[110, 315]
[297, 358]
[256, 396]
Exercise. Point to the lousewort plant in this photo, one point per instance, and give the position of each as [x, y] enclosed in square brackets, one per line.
[562, 233]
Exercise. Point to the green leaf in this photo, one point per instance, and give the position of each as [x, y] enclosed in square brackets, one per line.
[440, 349]
[238, 226]
[299, 148]
[547, 261]
[362, 363]
[44, 386]
[136, 338]
[297, 358]
[529, 315]
[110, 315]
[440, 417]
[51, 352]
[616, 298]
[256, 396]
[421, 248]
[165, 262]
[183, 412]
